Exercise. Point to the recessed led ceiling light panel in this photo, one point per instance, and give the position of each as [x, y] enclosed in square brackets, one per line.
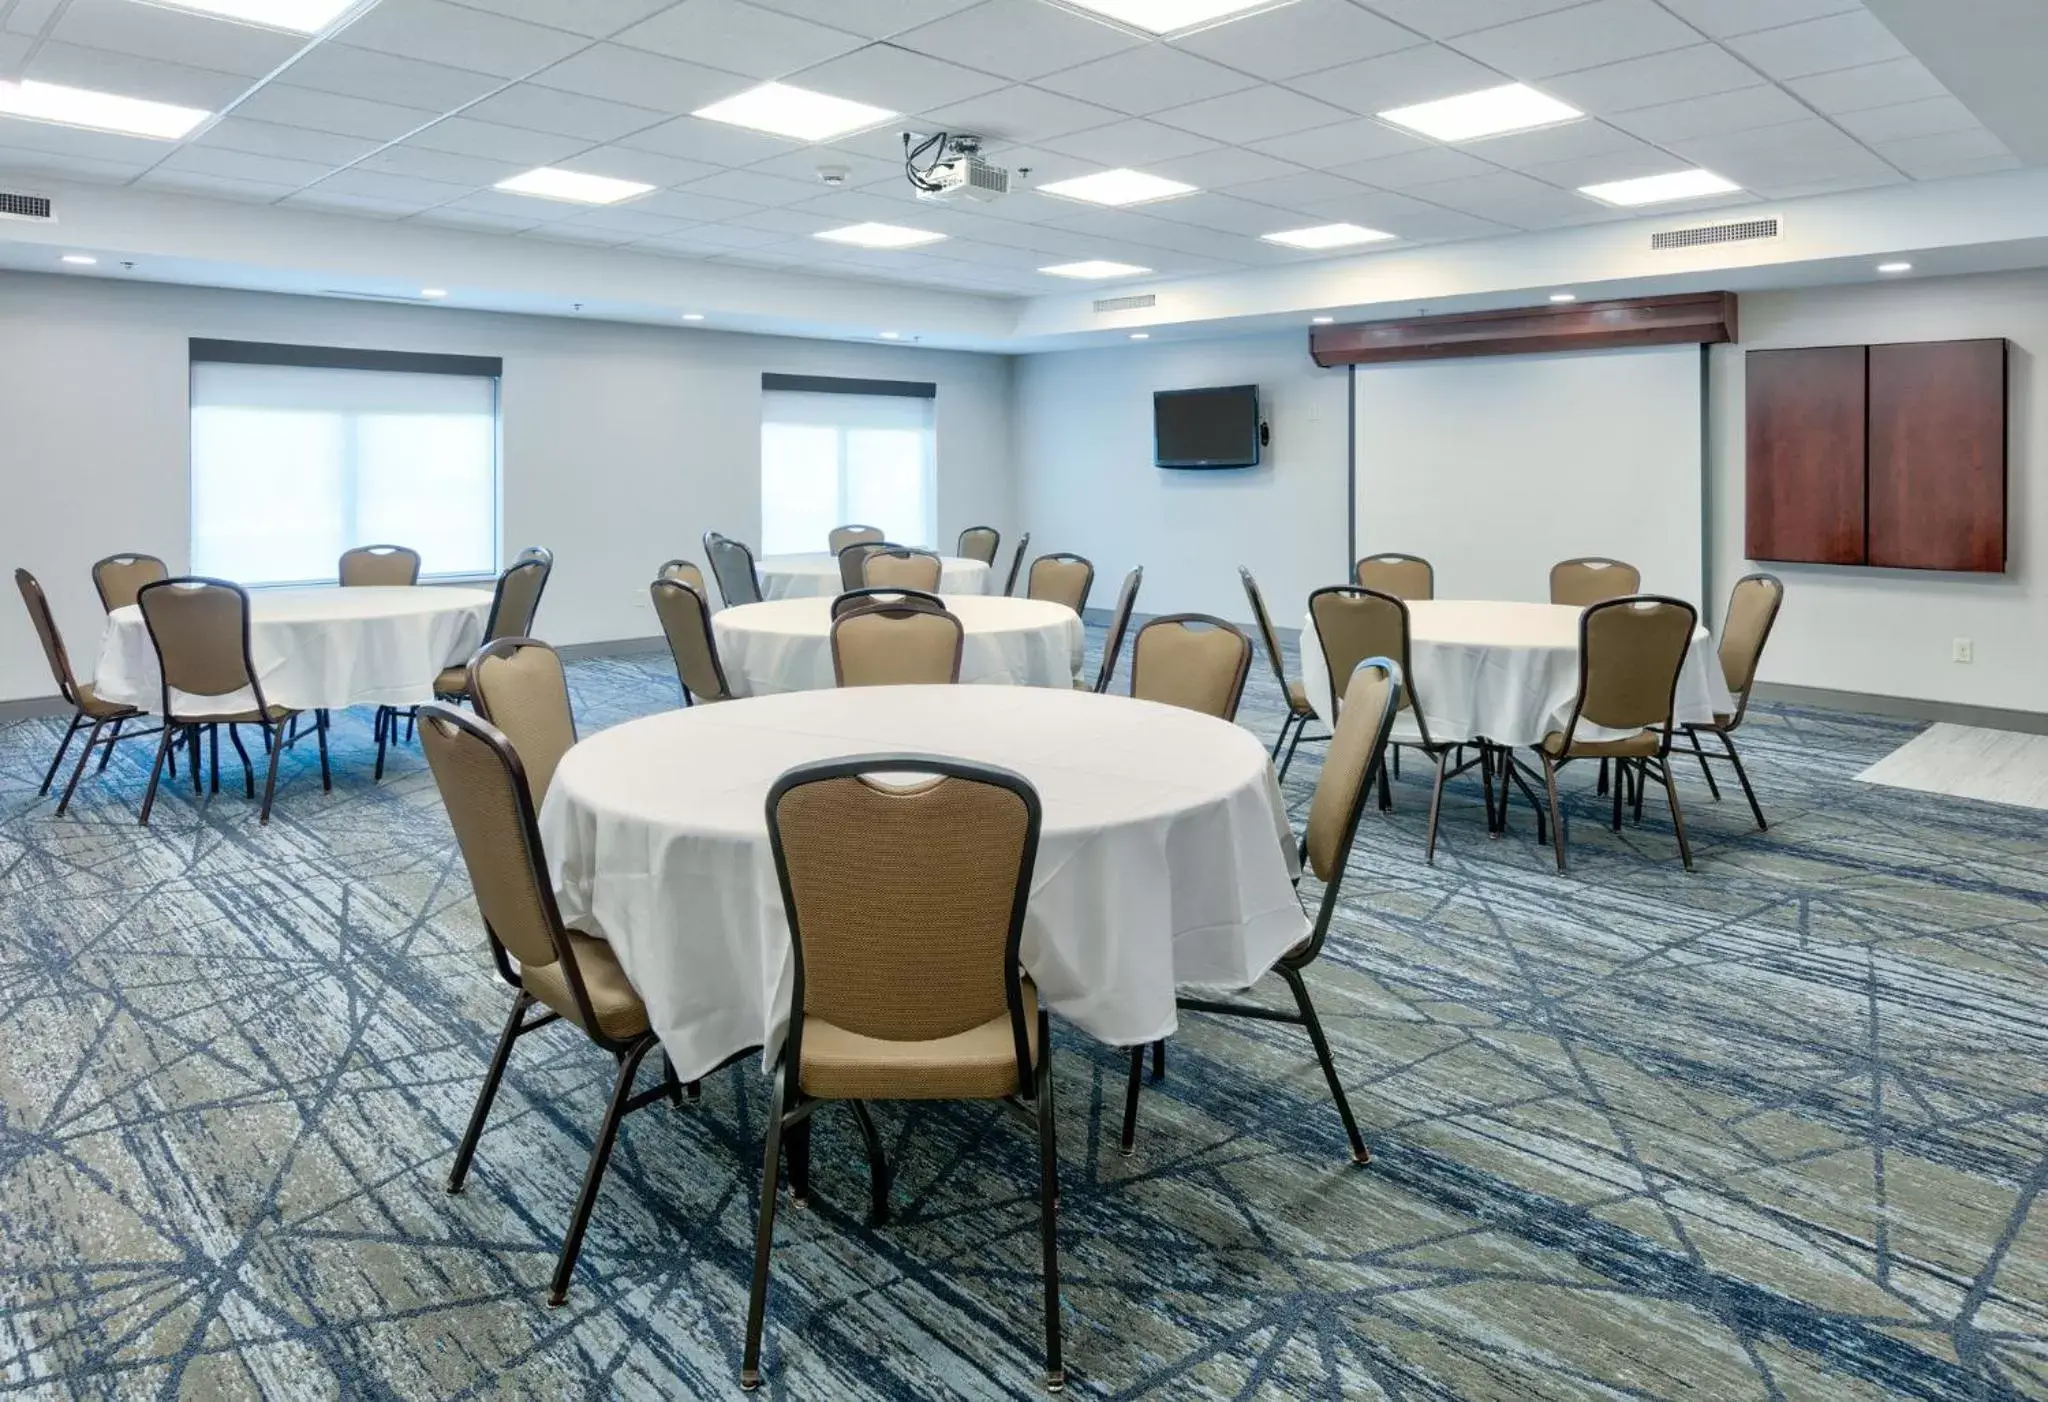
[553, 183]
[1117, 187]
[1564, 296]
[1658, 189]
[1171, 16]
[797, 113]
[297, 16]
[98, 111]
[81, 260]
[1488, 112]
[1327, 236]
[1895, 267]
[1095, 268]
[880, 236]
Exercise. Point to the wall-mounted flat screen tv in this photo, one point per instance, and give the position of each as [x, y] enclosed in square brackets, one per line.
[1206, 427]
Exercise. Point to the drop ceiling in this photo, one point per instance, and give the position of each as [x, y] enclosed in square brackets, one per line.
[411, 111]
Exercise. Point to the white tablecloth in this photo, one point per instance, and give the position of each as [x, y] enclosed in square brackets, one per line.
[1509, 671]
[786, 644]
[1164, 856]
[318, 648]
[808, 576]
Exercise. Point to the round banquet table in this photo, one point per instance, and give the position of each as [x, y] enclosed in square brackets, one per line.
[1509, 671]
[323, 648]
[810, 576]
[786, 644]
[1164, 857]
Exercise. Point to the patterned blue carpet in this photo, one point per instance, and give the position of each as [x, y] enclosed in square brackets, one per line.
[1775, 1130]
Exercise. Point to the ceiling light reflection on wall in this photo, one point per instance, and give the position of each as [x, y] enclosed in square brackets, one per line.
[797, 113]
[1117, 187]
[880, 236]
[1659, 189]
[1324, 236]
[297, 16]
[574, 187]
[1488, 112]
[97, 111]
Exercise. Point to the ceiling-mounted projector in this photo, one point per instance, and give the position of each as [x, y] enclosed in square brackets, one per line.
[944, 167]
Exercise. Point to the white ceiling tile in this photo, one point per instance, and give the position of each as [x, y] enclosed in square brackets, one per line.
[103, 70]
[595, 19]
[1801, 189]
[1440, 19]
[792, 223]
[1252, 115]
[1604, 31]
[1931, 116]
[1570, 174]
[642, 79]
[56, 165]
[1146, 79]
[739, 38]
[1400, 79]
[551, 110]
[626, 218]
[626, 163]
[357, 72]
[355, 206]
[715, 143]
[174, 36]
[897, 79]
[1508, 197]
[215, 187]
[805, 162]
[872, 19]
[1673, 76]
[1948, 153]
[568, 232]
[527, 210]
[1324, 148]
[1547, 145]
[1021, 39]
[1298, 190]
[1045, 166]
[467, 137]
[439, 32]
[1820, 45]
[324, 111]
[1299, 38]
[1404, 216]
[751, 187]
[1423, 167]
[1224, 166]
[14, 48]
[1022, 114]
[1807, 150]
[1224, 213]
[1707, 116]
[292, 143]
[1721, 18]
[455, 217]
[429, 164]
[1872, 85]
[242, 165]
[1132, 143]
[375, 185]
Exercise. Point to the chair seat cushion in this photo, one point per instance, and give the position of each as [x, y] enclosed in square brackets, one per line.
[620, 1013]
[1642, 745]
[96, 708]
[978, 1064]
[453, 681]
[1722, 722]
[273, 715]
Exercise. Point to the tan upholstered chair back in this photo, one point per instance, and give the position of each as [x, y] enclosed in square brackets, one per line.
[517, 600]
[889, 645]
[1193, 660]
[1592, 579]
[1406, 577]
[1271, 638]
[898, 568]
[980, 543]
[851, 561]
[905, 903]
[46, 632]
[867, 596]
[732, 565]
[1061, 579]
[1017, 564]
[389, 566]
[1752, 609]
[685, 572]
[844, 536]
[520, 686]
[119, 578]
[1358, 744]
[485, 792]
[1355, 624]
[686, 622]
[1119, 624]
[201, 631]
[1630, 651]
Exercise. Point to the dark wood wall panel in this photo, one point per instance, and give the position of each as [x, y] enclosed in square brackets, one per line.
[1687, 318]
[1937, 455]
[1806, 455]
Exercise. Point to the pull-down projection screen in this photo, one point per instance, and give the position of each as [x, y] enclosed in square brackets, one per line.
[1494, 469]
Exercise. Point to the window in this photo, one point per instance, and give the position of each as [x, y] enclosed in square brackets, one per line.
[830, 459]
[293, 464]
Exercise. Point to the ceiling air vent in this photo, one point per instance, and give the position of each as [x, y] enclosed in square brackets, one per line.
[1716, 233]
[15, 205]
[1126, 304]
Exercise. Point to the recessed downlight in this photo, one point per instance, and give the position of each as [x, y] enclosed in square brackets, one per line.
[693, 316]
[97, 111]
[1564, 296]
[797, 113]
[1895, 267]
[1141, 335]
[80, 260]
[1322, 320]
[1488, 112]
[1117, 187]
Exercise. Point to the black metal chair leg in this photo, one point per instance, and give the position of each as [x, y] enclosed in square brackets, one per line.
[764, 1237]
[1129, 1144]
[593, 1177]
[1049, 1206]
[248, 770]
[1677, 818]
[91, 739]
[668, 1079]
[198, 774]
[1706, 770]
[276, 745]
[1600, 787]
[1281, 738]
[796, 1155]
[164, 746]
[1556, 818]
[56, 760]
[1293, 745]
[1359, 1152]
[1159, 1060]
[1620, 788]
[1742, 777]
[213, 757]
[386, 718]
[320, 733]
[1642, 777]
[113, 738]
[1494, 823]
[878, 1165]
[1386, 793]
[1436, 803]
[487, 1093]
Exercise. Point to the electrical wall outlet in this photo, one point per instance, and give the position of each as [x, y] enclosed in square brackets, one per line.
[1962, 650]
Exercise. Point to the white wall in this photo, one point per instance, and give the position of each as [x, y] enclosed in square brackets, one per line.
[1086, 482]
[622, 444]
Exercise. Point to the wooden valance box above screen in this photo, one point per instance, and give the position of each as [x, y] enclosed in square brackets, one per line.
[1889, 455]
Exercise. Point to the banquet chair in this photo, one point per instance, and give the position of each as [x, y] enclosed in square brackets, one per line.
[896, 645]
[85, 705]
[907, 983]
[520, 686]
[119, 578]
[1017, 565]
[686, 623]
[1631, 652]
[867, 596]
[1358, 745]
[843, 536]
[369, 566]
[732, 566]
[1119, 623]
[1061, 579]
[979, 543]
[900, 567]
[1342, 621]
[200, 630]
[1407, 577]
[1193, 660]
[683, 572]
[513, 605]
[1752, 611]
[571, 976]
[1592, 579]
[853, 557]
[1299, 711]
